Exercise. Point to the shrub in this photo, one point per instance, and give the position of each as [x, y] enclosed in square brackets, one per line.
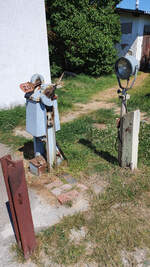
[82, 36]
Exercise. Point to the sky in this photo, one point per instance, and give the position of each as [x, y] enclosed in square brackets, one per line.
[144, 4]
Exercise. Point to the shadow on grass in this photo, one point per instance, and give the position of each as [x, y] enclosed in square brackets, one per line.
[147, 95]
[28, 150]
[105, 155]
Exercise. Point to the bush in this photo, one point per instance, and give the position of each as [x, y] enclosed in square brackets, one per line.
[82, 37]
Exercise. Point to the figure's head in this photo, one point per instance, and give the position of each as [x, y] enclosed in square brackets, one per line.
[37, 79]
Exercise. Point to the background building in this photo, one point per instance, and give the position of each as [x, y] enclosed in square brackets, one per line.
[135, 40]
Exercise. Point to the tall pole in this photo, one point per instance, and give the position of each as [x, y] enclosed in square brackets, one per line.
[137, 4]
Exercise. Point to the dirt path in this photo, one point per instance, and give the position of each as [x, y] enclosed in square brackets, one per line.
[98, 101]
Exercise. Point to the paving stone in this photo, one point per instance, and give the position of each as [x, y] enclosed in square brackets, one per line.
[57, 191]
[54, 184]
[82, 187]
[100, 187]
[69, 179]
[66, 187]
[68, 196]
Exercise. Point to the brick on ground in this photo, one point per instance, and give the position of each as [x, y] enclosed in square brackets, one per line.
[54, 184]
[81, 187]
[68, 196]
[69, 179]
[66, 187]
[57, 191]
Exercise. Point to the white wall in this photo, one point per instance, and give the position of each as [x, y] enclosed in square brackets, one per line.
[142, 21]
[23, 47]
[130, 39]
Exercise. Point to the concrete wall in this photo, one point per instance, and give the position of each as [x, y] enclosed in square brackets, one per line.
[23, 47]
[135, 39]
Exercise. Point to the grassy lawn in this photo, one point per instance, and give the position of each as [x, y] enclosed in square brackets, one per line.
[117, 223]
[140, 97]
[86, 147]
[81, 89]
[78, 89]
[9, 119]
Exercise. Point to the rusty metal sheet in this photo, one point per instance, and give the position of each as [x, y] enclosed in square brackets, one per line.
[5, 163]
[145, 58]
[19, 192]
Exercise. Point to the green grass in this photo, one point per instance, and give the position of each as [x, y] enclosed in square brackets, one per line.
[87, 147]
[81, 88]
[78, 89]
[140, 97]
[117, 221]
[9, 119]
[58, 236]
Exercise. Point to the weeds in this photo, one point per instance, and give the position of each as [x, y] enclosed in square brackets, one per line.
[11, 118]
[81, 89]
[115, 223]
[83, 144]
[140, 97]
[56, 244]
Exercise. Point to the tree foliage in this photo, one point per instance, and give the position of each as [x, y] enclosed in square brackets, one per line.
[82, 35]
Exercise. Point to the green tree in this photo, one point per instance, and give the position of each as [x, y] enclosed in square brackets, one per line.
[82, 35]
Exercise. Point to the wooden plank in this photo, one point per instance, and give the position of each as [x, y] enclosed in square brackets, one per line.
[129, 132]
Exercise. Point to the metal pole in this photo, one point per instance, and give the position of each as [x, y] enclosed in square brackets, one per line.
[123, 109]
[51, 140]
[137, 4]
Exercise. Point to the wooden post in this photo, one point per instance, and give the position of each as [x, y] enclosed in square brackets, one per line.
[128, 139]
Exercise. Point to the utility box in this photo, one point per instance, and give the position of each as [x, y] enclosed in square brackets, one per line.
[35, 118]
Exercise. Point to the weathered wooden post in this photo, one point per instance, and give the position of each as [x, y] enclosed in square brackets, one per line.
[129, 124]
[128, 141]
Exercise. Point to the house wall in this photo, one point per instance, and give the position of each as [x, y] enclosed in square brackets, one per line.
[129, 39]
[23, 47]
[133, 40]
[142, 21]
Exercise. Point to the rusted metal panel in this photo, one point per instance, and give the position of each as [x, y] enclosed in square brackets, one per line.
[5, 163]
[22, 206]
[18, 196]
[145, 60]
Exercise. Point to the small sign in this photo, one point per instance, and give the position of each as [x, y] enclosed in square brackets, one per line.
[27, 87]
